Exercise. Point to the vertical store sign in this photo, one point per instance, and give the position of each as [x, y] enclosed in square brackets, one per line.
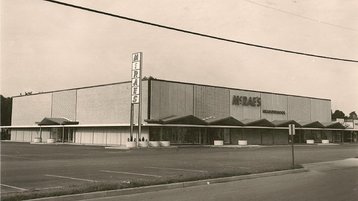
[136, 77]
[136, 96]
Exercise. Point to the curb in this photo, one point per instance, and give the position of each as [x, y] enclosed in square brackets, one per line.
[138, 148]
[159, 187]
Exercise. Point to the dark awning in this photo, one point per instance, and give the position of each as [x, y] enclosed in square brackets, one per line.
[333, 125]
[184, 119]
[225, 121]
[56, 121]
[257, 122]
[311, 124]
[285, 123]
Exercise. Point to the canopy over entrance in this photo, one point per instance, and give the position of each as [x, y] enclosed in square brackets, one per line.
[56, 121]
[285, 123]
[257, 122]
[333, 125]
[184, 119]
[312, 124]
[226, 121]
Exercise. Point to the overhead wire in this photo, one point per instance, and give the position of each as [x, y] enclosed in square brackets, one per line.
[300, 16]
[202, 34]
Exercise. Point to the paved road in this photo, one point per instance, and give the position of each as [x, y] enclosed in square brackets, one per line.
[329, 181]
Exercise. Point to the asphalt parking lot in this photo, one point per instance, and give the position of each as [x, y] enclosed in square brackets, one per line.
[28, 167]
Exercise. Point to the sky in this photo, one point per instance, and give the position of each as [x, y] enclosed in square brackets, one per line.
[45, 46]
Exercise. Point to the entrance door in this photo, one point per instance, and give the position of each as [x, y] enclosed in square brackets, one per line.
[68, 135]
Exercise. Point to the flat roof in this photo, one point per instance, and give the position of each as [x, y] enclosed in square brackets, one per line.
[171, 81]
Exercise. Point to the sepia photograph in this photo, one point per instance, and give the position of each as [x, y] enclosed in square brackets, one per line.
[181, 100]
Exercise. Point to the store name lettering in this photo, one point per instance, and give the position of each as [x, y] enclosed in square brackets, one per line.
[246, 101]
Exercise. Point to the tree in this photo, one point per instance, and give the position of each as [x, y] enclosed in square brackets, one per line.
[5, 115]
[338, 114]
[353, 115]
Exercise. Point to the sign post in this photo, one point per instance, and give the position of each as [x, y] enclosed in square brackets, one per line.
[136, 92]
[292, 132]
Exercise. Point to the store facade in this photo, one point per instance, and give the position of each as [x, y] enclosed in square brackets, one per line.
[182, 113]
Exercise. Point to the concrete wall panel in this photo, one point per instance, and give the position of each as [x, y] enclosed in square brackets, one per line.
[104, 105]
[108, 104]
[64, 104]
[27, 110]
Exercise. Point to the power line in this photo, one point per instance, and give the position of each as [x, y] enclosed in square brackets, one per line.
[300, 16]
[202, 34]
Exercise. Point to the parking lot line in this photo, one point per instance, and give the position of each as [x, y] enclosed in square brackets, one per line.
[14, 187]
[178, 169]
[131, 173]
[73, 178]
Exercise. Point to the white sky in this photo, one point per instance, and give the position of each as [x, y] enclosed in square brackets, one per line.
[46, 47]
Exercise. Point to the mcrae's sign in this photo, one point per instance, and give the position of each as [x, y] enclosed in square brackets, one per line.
[246, 101]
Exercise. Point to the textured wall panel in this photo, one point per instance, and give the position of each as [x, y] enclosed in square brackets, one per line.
[170, 99]
[27, 110]
[13, 134]
[45, 134]
[64, 104]
[27, 135]
[85, 135]
[35, 134]
[105, 104]
[320, 110]
[108, 104]
[211, 102]
[273, 102]
[20, 135]
[299, 108]
[99, 136]
[113, 136]
[242, 111]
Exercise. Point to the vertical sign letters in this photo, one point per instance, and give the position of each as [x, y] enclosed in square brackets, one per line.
[136, 76]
